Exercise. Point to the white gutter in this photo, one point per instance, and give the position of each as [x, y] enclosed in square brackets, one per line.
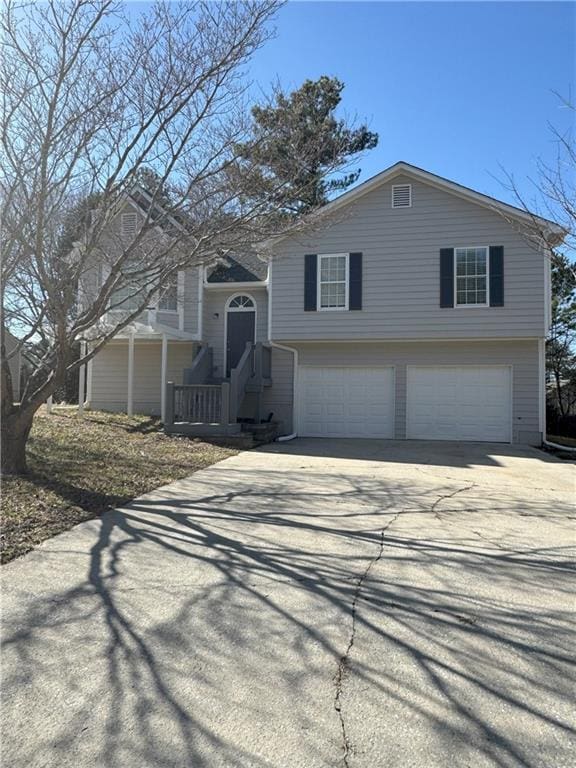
[231, 285]
[432, 179]
[292, 435]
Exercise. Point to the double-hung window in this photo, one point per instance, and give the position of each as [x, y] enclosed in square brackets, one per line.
[129, 294]
[168, 301]
[333, 281]
[471, 276]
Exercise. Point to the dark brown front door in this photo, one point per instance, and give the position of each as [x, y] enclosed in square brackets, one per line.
[241, 327]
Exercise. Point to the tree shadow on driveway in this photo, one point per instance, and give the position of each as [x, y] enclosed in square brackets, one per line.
[292, 620]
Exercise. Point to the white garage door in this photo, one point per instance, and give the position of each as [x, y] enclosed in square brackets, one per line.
[459, 403]
[346, 402]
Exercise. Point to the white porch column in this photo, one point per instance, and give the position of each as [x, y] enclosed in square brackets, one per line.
[81, 381]
[163, 375]
[130, 403]
[89, 383]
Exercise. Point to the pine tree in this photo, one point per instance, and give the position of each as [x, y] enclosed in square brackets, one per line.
[296, 139]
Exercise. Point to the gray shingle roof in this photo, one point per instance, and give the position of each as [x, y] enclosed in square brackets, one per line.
[244, 268]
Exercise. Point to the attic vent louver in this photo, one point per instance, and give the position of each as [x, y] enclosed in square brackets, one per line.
[402, 196]
[129, 221]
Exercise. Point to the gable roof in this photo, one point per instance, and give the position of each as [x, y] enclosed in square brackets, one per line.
[553, 230]
[154, 209]
[239, 268]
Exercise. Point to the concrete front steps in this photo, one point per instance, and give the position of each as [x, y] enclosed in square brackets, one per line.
[244, 435]
[200, 429]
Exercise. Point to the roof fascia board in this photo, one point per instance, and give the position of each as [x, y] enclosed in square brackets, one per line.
[150, 199]
[238, 284]
[402, 168]
[484, 200]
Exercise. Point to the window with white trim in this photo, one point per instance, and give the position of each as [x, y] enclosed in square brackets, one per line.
[471, 269]
[132, 288]
[241, 302]
[333, 281]
[168, 301]
[127, 297]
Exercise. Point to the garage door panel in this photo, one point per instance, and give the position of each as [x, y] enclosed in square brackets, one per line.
[346, 402]
[459, 403]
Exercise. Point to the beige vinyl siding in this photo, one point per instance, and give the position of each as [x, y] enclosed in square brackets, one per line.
[521, 355]
[89, 285]
[214, 319]
[169, 319]
[189, 289]
[110, 378]
[110, 374]
[112, 246]
[401, 272]
[190, 297]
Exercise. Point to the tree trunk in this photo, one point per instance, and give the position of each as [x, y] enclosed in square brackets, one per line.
[559, 393]
[15, 430]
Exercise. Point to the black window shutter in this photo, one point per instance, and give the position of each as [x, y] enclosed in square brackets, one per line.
[310, 282]
[355, 281]
[446, 277]
[496, 276]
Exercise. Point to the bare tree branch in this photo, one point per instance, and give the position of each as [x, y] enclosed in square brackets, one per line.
[93, 97]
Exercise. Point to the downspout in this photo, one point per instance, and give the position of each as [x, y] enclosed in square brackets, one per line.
[557, 446]
[292, 435]
[542, 387]
[285, 438]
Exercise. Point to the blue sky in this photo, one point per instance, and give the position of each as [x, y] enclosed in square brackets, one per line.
[456, 88]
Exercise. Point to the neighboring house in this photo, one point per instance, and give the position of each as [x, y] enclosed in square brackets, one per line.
[14, 363]
[417, 308]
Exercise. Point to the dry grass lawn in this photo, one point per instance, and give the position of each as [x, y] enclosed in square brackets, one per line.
[79, 467]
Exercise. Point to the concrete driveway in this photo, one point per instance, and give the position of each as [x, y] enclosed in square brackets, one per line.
[317, 603]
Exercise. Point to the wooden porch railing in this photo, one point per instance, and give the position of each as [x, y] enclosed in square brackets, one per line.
[239, 377]
[198, 403]
[201, 368]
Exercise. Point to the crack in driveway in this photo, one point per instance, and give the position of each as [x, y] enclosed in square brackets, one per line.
[344, 660]
[343, 665]
[440, 499]
[501, 547]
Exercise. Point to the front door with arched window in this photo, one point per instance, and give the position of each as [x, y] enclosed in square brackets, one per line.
[240, 328]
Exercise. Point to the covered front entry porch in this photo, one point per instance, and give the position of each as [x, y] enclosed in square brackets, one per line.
[205, 405]
[129, 375]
